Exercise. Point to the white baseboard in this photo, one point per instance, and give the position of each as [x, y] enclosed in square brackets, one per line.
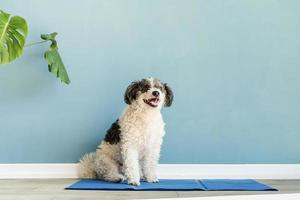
[11, 171]
[230, 171]
[171, 171]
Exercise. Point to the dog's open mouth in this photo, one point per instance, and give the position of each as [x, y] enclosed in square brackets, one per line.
[153, 102]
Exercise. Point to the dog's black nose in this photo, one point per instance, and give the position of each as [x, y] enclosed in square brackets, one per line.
[155, 93]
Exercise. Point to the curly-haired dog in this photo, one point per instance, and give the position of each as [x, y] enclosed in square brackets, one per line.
[131, 147]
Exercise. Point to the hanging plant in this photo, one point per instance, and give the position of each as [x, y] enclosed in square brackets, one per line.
[13, 33]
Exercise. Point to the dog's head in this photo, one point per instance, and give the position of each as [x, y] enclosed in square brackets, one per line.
[149, 92]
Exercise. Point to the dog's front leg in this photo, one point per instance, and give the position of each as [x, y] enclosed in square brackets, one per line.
[131, 165]
[150, 163]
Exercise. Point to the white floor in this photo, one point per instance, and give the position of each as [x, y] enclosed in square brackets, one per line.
[242, 197]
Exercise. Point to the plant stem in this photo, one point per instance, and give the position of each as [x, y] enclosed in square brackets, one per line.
[34, 43]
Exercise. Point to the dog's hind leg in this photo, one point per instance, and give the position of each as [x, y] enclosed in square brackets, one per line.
[108, 169]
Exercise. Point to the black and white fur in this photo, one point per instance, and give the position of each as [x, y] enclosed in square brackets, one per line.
[131, 147]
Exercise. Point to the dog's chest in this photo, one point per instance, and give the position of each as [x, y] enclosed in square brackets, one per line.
[150, 132]
[143, 132]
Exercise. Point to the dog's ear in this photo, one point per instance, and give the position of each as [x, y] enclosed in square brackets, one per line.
[168, 96]
[131, 92]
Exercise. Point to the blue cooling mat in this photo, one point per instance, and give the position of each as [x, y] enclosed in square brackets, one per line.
[173, 184]
[235, 185]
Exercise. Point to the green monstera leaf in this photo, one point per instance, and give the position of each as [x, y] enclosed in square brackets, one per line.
[55, 63]
[13, 33]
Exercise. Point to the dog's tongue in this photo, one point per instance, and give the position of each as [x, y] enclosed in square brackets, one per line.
[155, 100]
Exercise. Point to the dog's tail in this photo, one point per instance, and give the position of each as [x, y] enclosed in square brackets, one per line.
[86, 168]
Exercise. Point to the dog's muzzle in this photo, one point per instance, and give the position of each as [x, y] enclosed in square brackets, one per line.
[153, 102]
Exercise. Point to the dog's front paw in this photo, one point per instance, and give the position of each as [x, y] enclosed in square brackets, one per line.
[134, 182]
[153, 179]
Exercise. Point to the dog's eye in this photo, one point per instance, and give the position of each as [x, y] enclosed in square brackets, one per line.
[145, 87]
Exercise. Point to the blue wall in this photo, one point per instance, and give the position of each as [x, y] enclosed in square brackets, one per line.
[233, 65]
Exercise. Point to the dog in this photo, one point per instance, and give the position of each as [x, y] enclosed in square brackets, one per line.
[130, 149]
